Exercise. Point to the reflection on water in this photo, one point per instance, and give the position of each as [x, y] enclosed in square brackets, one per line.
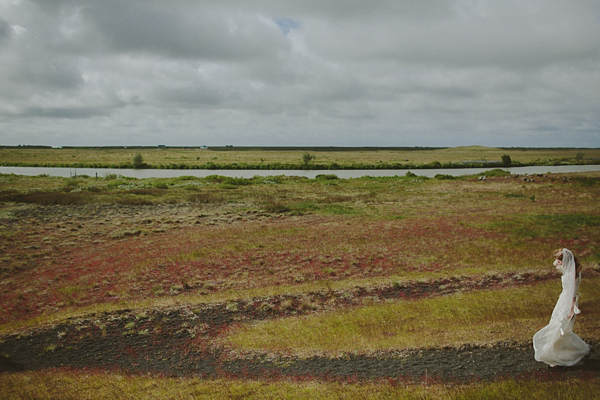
[172, 173]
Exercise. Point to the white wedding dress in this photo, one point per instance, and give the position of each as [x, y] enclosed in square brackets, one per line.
[556, 344]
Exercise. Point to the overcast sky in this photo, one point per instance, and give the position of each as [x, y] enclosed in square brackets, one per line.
[300, 72]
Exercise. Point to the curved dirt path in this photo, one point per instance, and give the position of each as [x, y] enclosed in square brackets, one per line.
[182, 342]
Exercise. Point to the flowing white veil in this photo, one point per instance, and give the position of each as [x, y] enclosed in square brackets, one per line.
[562, 309]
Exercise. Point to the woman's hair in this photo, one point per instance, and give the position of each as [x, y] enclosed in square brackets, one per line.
[558, 253]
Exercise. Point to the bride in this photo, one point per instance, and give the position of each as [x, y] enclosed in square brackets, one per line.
[556, 344]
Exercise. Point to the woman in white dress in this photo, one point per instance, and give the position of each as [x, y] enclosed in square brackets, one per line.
[556, 344]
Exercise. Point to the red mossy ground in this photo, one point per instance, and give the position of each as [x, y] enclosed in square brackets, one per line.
[71, 256]
[49, 274]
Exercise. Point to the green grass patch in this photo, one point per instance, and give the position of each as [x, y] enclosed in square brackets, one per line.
[568, 221]
[305, 207]
[569, 226]
[478, 317]
[339, 209]
[587, 180]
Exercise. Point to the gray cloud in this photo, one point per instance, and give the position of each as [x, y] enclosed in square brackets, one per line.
[5, 30]
[281, 72]
[196, 32]
[191, 96]
[509, 34]
[73, 112]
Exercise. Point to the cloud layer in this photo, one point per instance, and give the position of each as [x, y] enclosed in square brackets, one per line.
[280, 72]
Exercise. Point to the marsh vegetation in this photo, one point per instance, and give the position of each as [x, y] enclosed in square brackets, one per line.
[223, 275]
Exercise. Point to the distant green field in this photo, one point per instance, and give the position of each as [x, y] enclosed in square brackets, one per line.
[293, 158]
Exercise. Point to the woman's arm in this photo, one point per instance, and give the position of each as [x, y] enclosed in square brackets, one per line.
[572, 310]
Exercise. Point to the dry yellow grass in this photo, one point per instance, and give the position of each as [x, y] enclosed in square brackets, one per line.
[85, 385]
[479, 317]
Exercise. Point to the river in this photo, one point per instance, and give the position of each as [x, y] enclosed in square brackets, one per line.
[249, 173]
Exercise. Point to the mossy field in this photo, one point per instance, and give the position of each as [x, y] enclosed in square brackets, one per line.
[293, 158]
[289, 287]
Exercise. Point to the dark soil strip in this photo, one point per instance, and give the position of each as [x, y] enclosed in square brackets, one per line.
[181, 342]
[466, 364]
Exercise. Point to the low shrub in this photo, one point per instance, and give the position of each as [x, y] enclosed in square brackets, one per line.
[215, 178]
[444, 177]
[496, 172]
[186, 178]
[237, 181]
[328, 177]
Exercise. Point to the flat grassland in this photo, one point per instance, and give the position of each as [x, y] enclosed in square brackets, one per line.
[277, 286]
[277, 158]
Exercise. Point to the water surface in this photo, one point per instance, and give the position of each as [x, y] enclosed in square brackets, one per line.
[249, 173]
